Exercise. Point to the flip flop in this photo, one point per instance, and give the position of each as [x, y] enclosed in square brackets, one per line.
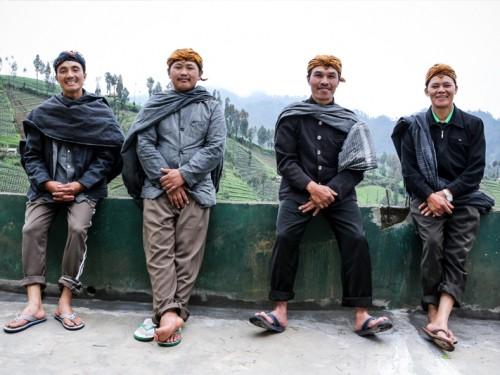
[440, 341]
[145, 331]
[262, 322]
[172, 343]
[30, 322]
[366, 330]
[60, 318]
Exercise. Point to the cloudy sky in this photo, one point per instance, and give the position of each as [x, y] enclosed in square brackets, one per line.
[248, 46]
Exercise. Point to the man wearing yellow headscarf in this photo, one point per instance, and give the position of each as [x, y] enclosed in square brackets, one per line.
[442, 153]
[172, 160]
[322, 151]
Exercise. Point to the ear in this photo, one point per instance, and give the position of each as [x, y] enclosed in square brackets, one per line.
[426, 91]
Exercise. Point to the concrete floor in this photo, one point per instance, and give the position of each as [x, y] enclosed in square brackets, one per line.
[221, 341]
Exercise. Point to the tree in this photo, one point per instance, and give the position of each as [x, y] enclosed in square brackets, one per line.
[1, 64]
[243, 123]
[157, 89]
[47, 71]
[97, 86]
[39, 67]
[251, 134]
[262, 136]
[13, 68]
[108, 78]
[150, 83]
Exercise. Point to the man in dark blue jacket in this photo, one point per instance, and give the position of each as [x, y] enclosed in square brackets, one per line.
[442, 152]
[70, 153]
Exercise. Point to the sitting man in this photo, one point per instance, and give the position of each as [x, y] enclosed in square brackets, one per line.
[322, 151]
[71, 152]
[178, 139]
[442, 153]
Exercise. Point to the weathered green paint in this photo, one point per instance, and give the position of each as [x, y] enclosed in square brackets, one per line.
[237, 254]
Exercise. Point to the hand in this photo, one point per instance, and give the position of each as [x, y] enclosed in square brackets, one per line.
[436, 205]
[63, 192]
[178, 198]
[171, 180]
[306, 207]
[322, 196]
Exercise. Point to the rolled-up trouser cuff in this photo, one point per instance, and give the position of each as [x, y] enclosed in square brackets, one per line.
[357, 302]
[276, 295]
[182, 311]
[453, 290]
[74, 285]
[30, 280]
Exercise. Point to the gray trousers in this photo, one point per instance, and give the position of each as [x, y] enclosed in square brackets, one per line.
[446, 242]
[174, 244]
[38, 218]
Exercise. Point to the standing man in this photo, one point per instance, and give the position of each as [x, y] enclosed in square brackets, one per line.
[322, 150]
[178, 138]
[72, 151]
[442, 153]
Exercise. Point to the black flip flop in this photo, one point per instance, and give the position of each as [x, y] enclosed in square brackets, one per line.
[376, 328]
[262, 322]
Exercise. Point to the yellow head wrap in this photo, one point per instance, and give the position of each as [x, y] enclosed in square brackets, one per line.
[186, 54]
[326, 60]
[440, 70]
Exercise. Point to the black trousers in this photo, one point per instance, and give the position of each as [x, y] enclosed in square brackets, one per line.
[344, 218]
[446, 242]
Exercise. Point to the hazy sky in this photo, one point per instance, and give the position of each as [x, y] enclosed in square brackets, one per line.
[385, 46]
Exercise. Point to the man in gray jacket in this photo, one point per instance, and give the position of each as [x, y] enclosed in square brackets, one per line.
[178, 139]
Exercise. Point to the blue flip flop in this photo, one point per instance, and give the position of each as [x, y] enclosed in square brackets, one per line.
[376, 328]
[30, 322]
[262, 322]
[172, 343]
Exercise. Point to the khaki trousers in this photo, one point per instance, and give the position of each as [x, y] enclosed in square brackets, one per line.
[38, 218]
[174, 243]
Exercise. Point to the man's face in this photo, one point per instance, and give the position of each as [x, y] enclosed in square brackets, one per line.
[441, 90]
[71, 78]
[184, 75]
[323, 81]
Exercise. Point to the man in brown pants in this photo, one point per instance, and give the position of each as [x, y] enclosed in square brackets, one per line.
[178, 139]
[70, 154]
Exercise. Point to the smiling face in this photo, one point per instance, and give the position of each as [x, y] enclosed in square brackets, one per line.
[323, 81]
[71, 78]
[441, 89]
[184, 75]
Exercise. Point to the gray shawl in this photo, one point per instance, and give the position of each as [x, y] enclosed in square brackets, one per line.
[156, 109]
[425, 154]
[358, 152]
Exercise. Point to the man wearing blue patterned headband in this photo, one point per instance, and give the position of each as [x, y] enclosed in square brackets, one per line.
[71, 152]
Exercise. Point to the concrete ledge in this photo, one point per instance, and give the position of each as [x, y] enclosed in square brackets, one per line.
[235, 269]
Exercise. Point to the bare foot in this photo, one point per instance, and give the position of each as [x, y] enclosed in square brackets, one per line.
[440, 331]
[67, 311]
[359, 323]
[33, 310]
[282, 317]
[169, 323]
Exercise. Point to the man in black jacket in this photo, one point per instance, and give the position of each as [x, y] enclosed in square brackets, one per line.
[442, 153]
[71, 152]
[322, 151]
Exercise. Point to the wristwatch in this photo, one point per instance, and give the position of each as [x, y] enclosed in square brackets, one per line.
[448, 195]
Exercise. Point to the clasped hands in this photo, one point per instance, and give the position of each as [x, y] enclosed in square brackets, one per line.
[436, 205]
[173, 184]
[63, 192]
[321, 196]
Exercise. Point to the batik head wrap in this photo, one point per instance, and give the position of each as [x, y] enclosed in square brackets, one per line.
[185, 54]
[326, 60]
[69, 56]
[440, 70]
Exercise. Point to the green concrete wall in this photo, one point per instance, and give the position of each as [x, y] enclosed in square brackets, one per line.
[240, 240]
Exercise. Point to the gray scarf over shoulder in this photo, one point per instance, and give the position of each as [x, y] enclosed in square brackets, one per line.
[425, 154]
[358, 152]
[156, 109]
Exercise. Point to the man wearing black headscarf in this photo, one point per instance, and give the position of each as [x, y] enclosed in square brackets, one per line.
[71, 152]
